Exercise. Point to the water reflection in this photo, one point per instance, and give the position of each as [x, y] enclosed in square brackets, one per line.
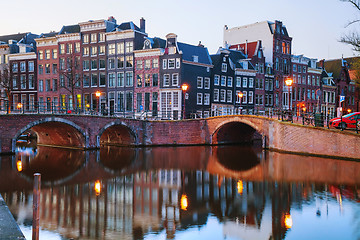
[227, 192]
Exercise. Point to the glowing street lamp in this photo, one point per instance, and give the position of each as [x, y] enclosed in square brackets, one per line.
[184, 88]
[98, 94]
[288, 83]
[349, 110]
[240, 96]
[288, 221]
[19, 106]
[240, 187]
[19, 166]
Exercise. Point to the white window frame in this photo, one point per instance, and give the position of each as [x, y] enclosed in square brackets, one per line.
[199, 99]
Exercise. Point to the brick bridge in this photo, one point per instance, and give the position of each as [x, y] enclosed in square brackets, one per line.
[89, 132]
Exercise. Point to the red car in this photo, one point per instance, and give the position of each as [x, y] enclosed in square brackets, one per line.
[348, 121]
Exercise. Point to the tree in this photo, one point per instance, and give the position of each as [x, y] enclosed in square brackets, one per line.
[71, 77]
[353, 38]
[5, 83]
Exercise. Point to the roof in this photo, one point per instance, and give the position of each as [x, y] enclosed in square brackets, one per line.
[335, 66]
[128, 26]
[70, 29]
[50, 34]
[157, 42]
[235, 56]
[16, 37]
[248, 48]
[189, 51]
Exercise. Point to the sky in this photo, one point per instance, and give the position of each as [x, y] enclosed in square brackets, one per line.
[315, 25]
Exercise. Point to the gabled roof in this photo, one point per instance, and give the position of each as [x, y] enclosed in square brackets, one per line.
[335, 66]
[250, 48]
[16, 37]
[189, 51]
[128, 26]
[70, 29]
[157, 42]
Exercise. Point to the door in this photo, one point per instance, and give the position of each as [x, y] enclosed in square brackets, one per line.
[112, 106]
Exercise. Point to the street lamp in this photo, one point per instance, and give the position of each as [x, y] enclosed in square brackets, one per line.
[184, 88]
[240, 96]
[288, 83]
[98, 94]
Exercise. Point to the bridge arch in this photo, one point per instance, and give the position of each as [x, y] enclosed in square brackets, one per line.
[236, 130]
[116, 133]
[55, 131]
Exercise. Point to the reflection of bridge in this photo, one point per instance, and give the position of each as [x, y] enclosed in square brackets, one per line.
[87, 132]
[142, 189]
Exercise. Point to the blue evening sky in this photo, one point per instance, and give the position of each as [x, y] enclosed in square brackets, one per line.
[315, 25]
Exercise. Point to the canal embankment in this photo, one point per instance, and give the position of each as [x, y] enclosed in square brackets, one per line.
[9, 230]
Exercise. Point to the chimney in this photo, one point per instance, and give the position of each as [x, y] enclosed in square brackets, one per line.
[142, 25]
[321, 63]
[200, 44]
[112, 19]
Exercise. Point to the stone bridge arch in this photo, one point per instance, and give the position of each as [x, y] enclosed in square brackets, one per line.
[117, 133]
[55, 131]
[240, 129]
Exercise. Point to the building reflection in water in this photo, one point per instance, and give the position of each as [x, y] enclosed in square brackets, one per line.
[165, 191]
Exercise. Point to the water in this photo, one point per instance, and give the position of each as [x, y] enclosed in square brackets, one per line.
[225, 192]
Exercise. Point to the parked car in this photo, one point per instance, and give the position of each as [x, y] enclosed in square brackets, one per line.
[348, 121]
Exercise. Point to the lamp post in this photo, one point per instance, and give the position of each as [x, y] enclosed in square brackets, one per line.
[288, 83]
[240, 96]
[98, 94]
[184, 88]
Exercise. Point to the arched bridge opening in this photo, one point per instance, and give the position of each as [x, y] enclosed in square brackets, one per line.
[54, 132]
[236, 133]
[117, 134]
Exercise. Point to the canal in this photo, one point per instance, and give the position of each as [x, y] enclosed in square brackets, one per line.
[200, 192]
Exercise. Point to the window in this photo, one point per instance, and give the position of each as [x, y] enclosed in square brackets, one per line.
[166, 80]
[147, 64]
[171, 63]
[251, 100]
[102, 63]
[294, 68]
[85, 51]
[216, 95]
[129, 101]
[244, 82]
[216, 80]
[111, 49]
[85, 38]
[93, 64]
[94, 80]
[47, 68]
[94, 51]
[54, 68]
[139, 64]
[86, 65]
[155, 80]
[129, 79]
[147, 80]
[47, 85]
[283, 47]
[22, 67]
[206, 99]
[102, 80]
[207, 83]
[62, 48]
[223, 80]
[120, 101]
[55, 87]
[199, 82]
[199, 99]
[129, 47]
[47, 54]
[120, 79]
[139, 102]
[229, 96]
[155, 63]
[93, 37]
[175, 79]
[309, 80]
[31, 81]
[111, 79]
[86, 81]
[244, 98]
[222, 95]
[120, 62]
[69, 48]
[178, 63]
[41, 54]
[15, 67]
[129, 61]
[77, 47]
[230, 82]
[62, 80]
[111, 63]
[164, 63]
[224, 67]
[120, 48]
[41, 69]
[54, 53]
[23, 81]
[139, 80]
[41, 85]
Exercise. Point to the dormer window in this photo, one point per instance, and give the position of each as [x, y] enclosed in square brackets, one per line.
[224, 67]
[245, 65]
[196, 58]
[224, 59]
